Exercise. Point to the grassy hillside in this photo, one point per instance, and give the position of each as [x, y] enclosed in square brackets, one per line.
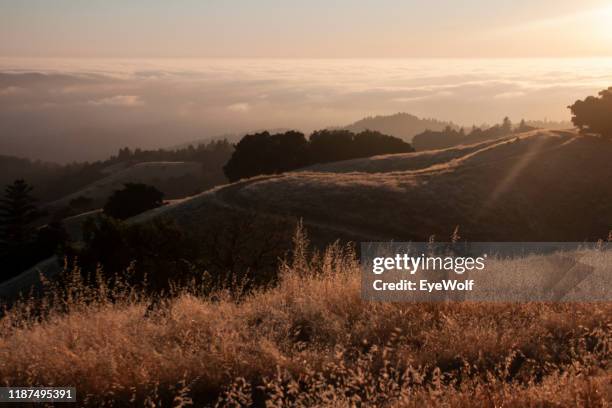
[398, 162]
[533, 186]
[159, 174]
[310, 341]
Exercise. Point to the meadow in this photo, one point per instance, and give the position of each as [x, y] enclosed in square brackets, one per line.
[310, 340]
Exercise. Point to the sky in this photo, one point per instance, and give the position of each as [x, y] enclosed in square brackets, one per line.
[80, 79]
[86, 109]
[305, 29]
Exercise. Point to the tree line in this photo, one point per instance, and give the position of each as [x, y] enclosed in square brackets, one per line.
[429, 140]
[24, 240]
[54, 181]
[265, 153]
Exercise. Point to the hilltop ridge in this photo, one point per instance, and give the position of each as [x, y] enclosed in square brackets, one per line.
[503, 190]
[402, 125]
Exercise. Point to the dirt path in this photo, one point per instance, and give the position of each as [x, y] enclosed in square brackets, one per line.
[222, 197]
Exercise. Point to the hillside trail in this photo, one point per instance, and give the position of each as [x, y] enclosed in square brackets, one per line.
[223, 196]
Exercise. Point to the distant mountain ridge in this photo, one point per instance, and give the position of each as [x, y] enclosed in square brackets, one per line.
[402, 125]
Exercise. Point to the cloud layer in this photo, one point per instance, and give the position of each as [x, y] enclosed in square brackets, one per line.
[73, 110]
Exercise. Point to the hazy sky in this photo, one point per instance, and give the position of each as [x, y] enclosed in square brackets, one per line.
[157, 73]
[61, 110]
[314, 28]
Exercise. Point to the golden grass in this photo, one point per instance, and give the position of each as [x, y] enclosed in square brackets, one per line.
[528, 188]
[311, 341]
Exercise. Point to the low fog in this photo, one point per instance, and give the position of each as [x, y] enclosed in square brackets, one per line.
[62, 110]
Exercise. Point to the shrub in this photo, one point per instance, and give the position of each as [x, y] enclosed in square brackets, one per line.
[134, 199]
[157, 251]
[230, 249]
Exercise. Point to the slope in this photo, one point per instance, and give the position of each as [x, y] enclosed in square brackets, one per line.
[542, 185]
[159, 174]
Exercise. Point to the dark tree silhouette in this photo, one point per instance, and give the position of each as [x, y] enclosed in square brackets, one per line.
[506, 126]
[448, 137]
[330, 145]
[594, 114]
[242, 249]
[158, 251]
[134, 199]
[17, 212]
[263, 153]
[17, 234]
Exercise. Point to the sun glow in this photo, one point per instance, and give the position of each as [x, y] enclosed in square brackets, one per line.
[602, 22]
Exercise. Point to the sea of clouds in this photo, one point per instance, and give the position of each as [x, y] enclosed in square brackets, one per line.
[63, 110]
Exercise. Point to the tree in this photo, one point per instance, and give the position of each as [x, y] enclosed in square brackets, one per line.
[124, 154]
[157, 250]
[330, 145]
[594, 114]
[17, 212]
[506, 126]
[524, 127]
[133, 199]
[225, 250]
[372, 143]
[263, 153]
[17, 234]
[429, 140]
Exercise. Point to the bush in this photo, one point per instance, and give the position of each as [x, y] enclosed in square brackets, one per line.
[230, 249]
[132, 200]
[594, 115]
[156, 252]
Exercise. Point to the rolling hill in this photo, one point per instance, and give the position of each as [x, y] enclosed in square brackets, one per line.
[537, 186]
[162, 175]
[402, 125]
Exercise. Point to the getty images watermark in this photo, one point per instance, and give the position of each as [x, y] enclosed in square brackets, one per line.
[501, 272]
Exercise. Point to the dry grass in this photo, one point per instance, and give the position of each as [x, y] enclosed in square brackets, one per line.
[399, 162]
[311, 341]
[154, 173]
[532, 187]
[522, 189]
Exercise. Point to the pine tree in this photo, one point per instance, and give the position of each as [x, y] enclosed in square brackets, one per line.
[17, 212]
[507, 125]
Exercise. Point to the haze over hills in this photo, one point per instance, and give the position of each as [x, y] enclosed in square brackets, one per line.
[162, 175]
[505, 190]
[402, 125]
[407, 126]
[64, 110]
